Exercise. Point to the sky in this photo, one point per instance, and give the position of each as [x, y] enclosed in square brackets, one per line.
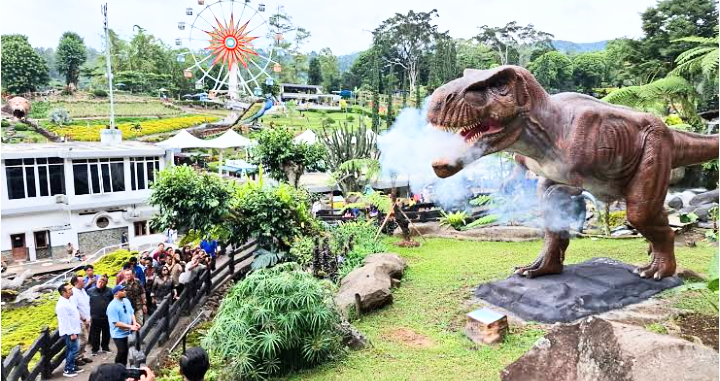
[342, 25]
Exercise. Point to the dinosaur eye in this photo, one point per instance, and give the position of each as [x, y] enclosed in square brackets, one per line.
[502, 89]
[476, 97]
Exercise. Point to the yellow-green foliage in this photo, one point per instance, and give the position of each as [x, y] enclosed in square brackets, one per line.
[91, 133]
[617, 218]
[22, 325]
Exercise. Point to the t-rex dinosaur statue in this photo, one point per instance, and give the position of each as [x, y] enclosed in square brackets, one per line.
[576, 142]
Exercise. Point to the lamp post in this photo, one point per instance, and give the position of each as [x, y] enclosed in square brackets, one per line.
[103, 10]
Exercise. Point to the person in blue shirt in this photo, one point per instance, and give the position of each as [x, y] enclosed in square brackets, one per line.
[139, 272]
[210, 247]
[90, 277]
[121, 317]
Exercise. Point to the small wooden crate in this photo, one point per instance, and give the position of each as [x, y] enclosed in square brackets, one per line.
[485, 326]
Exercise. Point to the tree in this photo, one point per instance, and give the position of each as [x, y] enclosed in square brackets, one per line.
[352, 150]
[514, 43]
[617, 56]
[283, 158]
[48, 54]
[23, 70]
[474, 55]
[444, 62]
[553, 70]
[404, 39]
[701, 59]
[670, 20]
[70, 56]
[330, 70]
[315, 75]
[589, 70]
[188, 200]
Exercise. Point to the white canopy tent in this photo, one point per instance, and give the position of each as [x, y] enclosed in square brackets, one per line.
[184, 139]
[231, 139]
[307, 137]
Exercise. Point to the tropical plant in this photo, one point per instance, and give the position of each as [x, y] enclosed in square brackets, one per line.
[554, 70]
[702, 59]
[273, 215]
[361, 236]
[353, 175]
[275, 321]
[302, 251]
[59, 117]
[351, 155]
[379, 200]
[187, 200]
[285, 159]
[456, 220]
[482, 221]
[483, 199]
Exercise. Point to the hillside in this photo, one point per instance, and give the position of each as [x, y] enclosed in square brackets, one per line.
[578, 47]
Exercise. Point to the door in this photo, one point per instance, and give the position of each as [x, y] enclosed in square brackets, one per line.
[19, 250]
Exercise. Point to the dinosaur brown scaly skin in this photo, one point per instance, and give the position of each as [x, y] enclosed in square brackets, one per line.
[576, 142]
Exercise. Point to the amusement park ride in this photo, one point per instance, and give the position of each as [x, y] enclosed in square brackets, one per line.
[230, 47]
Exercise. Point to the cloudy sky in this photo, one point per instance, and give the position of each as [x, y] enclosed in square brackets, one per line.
[339, 24]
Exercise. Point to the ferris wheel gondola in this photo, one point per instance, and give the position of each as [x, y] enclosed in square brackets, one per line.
[229, 46]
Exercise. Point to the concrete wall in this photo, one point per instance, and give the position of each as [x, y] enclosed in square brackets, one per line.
[92, 241]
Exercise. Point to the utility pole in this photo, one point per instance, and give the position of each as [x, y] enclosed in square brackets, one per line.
[103, 10]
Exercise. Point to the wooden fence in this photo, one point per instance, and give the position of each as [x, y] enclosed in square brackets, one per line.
[50, 346]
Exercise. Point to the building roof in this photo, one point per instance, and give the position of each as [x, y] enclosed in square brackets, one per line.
[79, 150]
[300, 85]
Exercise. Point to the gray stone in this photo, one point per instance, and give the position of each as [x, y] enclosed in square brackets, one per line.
[676, 203]
[677, 174]
[370, 284]
[623, 232]
[698, 190]
[600, 350]
[352, 338]
[703, 211]
[705, 198]
[686, 196]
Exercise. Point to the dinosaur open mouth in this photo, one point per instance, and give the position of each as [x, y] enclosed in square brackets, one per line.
[475, 131]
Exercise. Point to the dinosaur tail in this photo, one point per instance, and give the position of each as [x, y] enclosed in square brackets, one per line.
[690, 148]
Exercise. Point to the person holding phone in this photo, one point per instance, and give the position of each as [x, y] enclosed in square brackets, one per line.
[117, 372]
[121, 317]
[69, 328]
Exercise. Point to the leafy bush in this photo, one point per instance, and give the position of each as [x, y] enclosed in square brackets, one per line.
[302, 251]
[275, 321]
[362, 235]
[273, 215]
[490, 218]
[59, 117]
[100, 93]
[21, 127]
[456, 220]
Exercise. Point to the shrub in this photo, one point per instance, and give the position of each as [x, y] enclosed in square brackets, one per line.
[456, 220]
[302, 251]
[59, 117]
[100, 93]
[275, 321]
[21, 127]
[362, 234]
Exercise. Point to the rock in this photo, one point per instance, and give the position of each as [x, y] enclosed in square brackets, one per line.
[623, 232]
[705, 198]
[371, 283]
[18, 107]
[676, 203]
[698, 190]
[676, 174]
[600, 350]
[690, 275]
[703, 212]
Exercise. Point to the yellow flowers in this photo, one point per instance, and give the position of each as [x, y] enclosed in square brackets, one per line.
[91, 133]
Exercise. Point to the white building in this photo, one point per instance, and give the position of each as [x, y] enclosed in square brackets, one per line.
[89, 194]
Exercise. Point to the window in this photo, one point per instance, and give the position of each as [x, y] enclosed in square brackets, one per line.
[41, 239]
[35, 177]
[141, 228]
[93, 176]
[102, 222]
[142, 171]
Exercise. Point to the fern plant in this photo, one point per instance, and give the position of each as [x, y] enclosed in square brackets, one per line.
[702, 59]
[275, 321]
[456, 220]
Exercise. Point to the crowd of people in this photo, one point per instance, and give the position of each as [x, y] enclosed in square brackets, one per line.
[88, 311]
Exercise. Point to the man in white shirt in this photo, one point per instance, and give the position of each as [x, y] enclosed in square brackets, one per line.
[81, 300]
[69, 324]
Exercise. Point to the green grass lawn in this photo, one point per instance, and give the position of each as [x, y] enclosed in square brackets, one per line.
[303, 120]
[83, 109]
[434, 298]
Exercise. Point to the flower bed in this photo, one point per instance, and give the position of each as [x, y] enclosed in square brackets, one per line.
[80, 109]
[22, 325]
[82, 131]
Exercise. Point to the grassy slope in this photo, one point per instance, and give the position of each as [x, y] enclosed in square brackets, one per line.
[433, 300]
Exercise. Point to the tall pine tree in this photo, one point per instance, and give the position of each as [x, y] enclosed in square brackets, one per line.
[315, 76]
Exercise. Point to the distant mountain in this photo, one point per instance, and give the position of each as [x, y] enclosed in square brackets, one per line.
[578, 47]
[346, 61]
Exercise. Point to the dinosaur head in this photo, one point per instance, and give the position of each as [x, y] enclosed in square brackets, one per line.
[483, 107]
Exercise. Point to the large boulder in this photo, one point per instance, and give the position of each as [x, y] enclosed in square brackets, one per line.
[676, 203]
[369, 286]
[18, 107]
[600, 350]
[703, 211]
[677, 174]
[705, 198]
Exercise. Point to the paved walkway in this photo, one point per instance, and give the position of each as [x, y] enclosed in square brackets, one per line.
[108, 358]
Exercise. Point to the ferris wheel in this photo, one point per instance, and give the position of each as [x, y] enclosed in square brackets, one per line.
[229, 47]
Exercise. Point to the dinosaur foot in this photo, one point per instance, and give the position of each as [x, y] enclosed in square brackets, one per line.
[658, 268]
[408, 243]
[540, 267]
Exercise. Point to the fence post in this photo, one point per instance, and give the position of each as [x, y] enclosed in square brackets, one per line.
[166, 312]
[231, 265]
[208, 280]
[192, 290]
[45, 352]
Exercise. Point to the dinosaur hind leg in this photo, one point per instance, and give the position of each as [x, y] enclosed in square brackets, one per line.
[557, 200]
[645, 196]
